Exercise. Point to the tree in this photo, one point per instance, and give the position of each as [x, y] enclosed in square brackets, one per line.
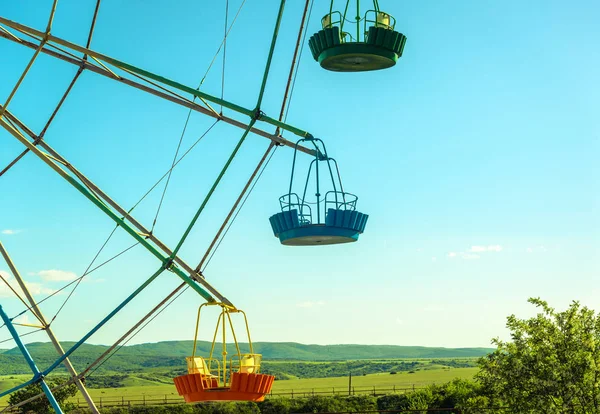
[42, 405]
[552, 364]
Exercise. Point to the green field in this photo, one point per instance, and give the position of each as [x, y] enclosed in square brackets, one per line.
[137, 388]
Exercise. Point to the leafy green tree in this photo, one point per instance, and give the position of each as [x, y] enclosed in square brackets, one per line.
[551, 365]
[42, 405]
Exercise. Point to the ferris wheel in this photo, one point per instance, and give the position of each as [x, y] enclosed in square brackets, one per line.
[314, 210]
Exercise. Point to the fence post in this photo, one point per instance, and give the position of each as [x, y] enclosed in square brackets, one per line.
[144, 399]
[394, 388]
[165, 398]
[292, 393]
[353, 391]
[100, 402]
[313, 392]
[413, 387]
[333, 391]
[374, 391]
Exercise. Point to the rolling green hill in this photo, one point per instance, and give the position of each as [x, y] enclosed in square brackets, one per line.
[169, 355]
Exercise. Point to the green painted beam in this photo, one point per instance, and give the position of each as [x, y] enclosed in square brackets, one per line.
[125, 66]
[118, 220]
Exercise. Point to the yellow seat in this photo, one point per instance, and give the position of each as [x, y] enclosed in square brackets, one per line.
[383, 20]
[197, 365]
[250, 363]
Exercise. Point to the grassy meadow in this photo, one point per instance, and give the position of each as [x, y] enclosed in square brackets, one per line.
[138, 388]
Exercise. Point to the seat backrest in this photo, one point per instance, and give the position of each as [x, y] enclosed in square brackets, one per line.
[383, 20]
[326, 21]
[247, 364]
[197, 365]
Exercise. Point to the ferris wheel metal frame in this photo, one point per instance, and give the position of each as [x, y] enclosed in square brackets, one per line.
[89, 60]
[43, 42]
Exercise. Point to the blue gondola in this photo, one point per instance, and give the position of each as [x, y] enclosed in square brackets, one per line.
[332, 219]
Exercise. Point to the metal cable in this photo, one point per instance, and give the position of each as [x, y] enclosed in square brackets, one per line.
[238, 211]
[113, 231]
[224, 51]
[17, 295]
[137, 332]
[21, 336]
[76, 280]
[90, 366]
[170, 172]
[176, 297]
[86, 271]
[224, 45]
[287, 111]
[222, 42]
[62, 100]
[174, 165]
[118, 348]
[281, 114]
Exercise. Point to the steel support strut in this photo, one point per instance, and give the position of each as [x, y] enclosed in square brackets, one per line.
[86, 187]
[255, 117]
[164, 94]
[39, 315]
[149, 75]
[37, 375]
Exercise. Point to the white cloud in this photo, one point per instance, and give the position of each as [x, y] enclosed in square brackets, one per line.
[452, 254]
[434, 259]
[481, 249]
[536, 249]
[5, 292]
[54, 275]
[10, 232]
[399, 321]
[35, 289]
[310, 304]
[529, 250]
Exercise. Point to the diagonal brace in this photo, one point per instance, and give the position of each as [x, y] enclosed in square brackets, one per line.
[209, 293]
[158, 78]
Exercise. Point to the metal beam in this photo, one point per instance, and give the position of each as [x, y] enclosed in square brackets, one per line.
[252, 113]
[40, 316]
[58, 167]
[37, 375]
[106, 319]
[169, 96]
[124, 214]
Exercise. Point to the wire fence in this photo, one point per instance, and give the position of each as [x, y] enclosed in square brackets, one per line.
[375, 391]
[168, 399]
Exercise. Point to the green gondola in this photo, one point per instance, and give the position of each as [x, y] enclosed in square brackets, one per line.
[379, 46]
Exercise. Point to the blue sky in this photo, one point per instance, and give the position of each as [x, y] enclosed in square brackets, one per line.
[475, 157]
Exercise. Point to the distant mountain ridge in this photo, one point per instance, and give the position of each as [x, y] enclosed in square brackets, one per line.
[170, 354]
